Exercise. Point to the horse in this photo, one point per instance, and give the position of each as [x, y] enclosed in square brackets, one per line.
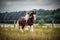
[27, 21]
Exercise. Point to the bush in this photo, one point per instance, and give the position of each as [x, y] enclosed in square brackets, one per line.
[41, 22]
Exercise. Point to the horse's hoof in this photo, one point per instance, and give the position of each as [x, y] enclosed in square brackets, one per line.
[31, 31]
[21, 30]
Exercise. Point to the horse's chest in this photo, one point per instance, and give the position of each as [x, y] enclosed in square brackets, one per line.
[30, 21]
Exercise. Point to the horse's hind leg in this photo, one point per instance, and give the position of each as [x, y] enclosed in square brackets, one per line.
[21, 29]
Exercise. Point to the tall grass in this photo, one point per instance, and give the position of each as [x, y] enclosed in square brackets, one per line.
[9, 33]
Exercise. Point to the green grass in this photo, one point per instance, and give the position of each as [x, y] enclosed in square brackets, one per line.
[8, 33]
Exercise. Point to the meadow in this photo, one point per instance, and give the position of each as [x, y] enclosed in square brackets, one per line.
[40, 33]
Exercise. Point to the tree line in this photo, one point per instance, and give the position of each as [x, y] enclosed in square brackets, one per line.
[46, 15]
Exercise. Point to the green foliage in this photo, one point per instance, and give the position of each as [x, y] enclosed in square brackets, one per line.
[41, 22]
[47, 15]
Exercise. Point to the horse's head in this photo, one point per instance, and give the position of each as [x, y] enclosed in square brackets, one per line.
[32, 13]
[29, 14]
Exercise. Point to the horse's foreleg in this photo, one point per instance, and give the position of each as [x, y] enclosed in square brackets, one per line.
[31, 28]
[27, 27]
[21, 29]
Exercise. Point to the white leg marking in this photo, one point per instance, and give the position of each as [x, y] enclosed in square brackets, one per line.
[26, 27]
[21, 29]
[31, 29]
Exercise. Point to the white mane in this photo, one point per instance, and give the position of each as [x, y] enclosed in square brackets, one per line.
[26, 16]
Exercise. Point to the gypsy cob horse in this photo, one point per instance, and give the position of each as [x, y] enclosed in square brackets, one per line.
[27, 21]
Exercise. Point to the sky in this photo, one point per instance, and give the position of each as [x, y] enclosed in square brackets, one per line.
[21, 5]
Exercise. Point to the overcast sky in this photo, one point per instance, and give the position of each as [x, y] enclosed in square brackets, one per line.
[20, 5]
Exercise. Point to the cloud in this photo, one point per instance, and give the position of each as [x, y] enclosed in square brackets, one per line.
[17, 5]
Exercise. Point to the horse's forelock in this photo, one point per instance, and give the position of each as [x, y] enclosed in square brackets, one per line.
[26, 16]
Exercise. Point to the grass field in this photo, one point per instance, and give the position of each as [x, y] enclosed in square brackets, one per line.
[9, 33]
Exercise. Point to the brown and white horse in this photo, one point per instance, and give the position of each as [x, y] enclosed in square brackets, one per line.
[27, 21]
